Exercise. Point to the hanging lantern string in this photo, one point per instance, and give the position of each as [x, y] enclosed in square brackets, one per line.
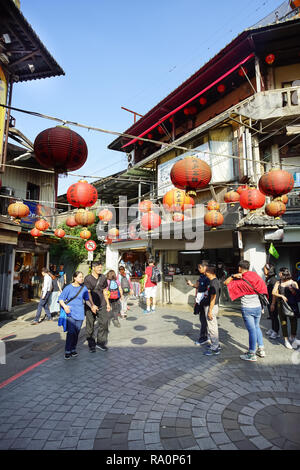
[121, 134]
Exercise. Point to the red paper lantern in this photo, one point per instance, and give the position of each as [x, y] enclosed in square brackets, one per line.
[171, 119]
[190, 110]
[145, 206]
[113, 233]
[213, 205]
[242, 188]
[294, 3]
[71, 222]
[150, 221]
[18, 210]
[36, 233]
[85, 234]
[174, 200]
[231, 197]
[105, 215]
[190, 173]
[202, 101]
[42, 225]
[213, 219]
[270, 59]
[275, 209]
[284, 198]
[149, 136]
[82, 194]
[84, 217]
[221, 88]
[276, 183]
[252, 199]
[242, 71]
[61, 149]
[178, 217]
[161, 130]
[60, 233]
[108, 241]
[188, 202]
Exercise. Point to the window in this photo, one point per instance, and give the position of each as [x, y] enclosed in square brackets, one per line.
[33, 192]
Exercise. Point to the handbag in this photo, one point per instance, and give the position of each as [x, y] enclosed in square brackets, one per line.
[287, 309]
[62, 319]
[264, 302]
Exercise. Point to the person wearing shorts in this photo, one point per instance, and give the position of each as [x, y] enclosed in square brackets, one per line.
[150, 288]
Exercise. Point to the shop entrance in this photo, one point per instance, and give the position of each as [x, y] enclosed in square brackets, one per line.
[27, 276]
[135, 262]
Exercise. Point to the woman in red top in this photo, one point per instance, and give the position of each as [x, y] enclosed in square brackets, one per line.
[150, 288]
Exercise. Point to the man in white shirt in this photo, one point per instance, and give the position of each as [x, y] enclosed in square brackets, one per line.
[46, 292]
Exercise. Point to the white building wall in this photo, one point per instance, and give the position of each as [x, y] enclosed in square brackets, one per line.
[254, 251]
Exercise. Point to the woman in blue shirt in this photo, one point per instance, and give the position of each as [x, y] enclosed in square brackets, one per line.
[72, 300]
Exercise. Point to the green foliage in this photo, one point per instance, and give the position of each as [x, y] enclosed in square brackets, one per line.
[68, 251]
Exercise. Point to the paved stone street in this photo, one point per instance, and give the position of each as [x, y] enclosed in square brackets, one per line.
[155, 390]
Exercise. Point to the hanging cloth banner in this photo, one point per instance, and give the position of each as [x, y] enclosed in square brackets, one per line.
[273, 251]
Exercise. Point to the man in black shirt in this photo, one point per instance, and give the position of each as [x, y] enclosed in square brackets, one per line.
[96, 282]
[202, 286]
[211, 311]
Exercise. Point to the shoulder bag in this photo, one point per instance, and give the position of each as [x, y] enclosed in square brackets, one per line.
[264, 302]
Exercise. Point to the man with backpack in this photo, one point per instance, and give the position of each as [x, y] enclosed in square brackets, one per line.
[127, 289]
[96, 282]
[152, 277]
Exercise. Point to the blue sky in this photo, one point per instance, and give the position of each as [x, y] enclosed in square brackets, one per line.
[121, 53]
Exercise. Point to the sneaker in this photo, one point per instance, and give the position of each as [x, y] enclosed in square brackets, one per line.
[147, 312]
[249, 357]
[153, 309]
[116, 323]
[260, 352]
[274, 335]
[212, 352]
[74, 354]
[92, 350]
[34, 323]
[287, 344]
[210, 347]
[295, 343]
[269, 332]
[68, 356]
[102, 346]
[202, 342]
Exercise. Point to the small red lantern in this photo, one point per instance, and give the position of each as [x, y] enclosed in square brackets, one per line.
[213, 205]
[71, 222]
[149, 136]
[113, 233]
[190, 110]
[161, 130]
[36, 233]
[270, 58]
[284, 198]
[171, 119]
[61, 149]
[82, 194]
[275, 209]
[252, 199]
[85, 234]
[108, 241]
[18, 210]
[213, 219]
[42, 225]
[60, 233]
[242, 71]
[190, 173]
[276, 182]
[145, 206]
[221, 88]
[242, 188]
[202, 101]
[105, 215]
[84, 217]
[174, 200]
[231, 197]
[178, 217]
[188, 202]
[150, 221]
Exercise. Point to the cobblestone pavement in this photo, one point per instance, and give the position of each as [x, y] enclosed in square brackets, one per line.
[155, 390]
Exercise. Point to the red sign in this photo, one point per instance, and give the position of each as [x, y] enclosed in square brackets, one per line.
[90, 245]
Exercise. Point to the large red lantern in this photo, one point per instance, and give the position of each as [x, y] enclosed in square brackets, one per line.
[275, 209]
[276, 182]
[231, 197]
[84, 217]
[213, 205]
[190, 173]
[252, 199]
[18, 210]
[82, 194]
[61, 149]
[35, 233]
[145, 206]
[213, 219]
[71, 222]
[42, 225]
[174, 200]
[85, 234]
[60, 233]
[150, 221]
[105, 215]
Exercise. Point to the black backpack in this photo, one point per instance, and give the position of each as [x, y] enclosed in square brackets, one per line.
[155, 276]
[124, 284]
